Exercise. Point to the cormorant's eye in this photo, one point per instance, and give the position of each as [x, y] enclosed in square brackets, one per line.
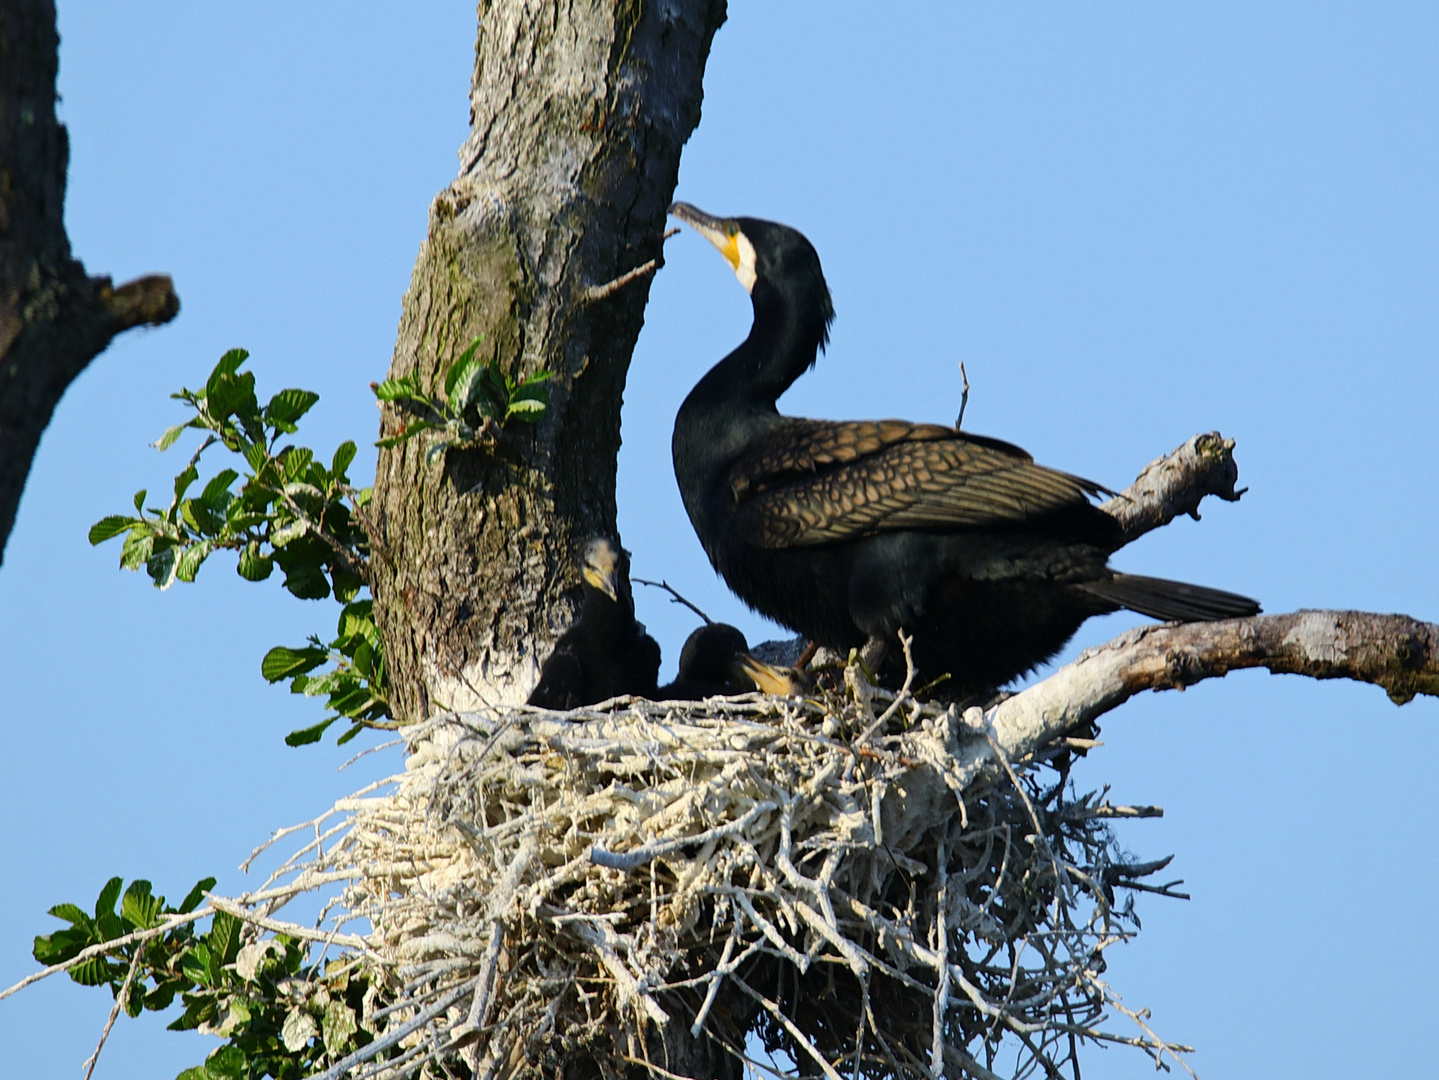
[731, 229]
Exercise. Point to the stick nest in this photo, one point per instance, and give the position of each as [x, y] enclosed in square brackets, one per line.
[549, 894]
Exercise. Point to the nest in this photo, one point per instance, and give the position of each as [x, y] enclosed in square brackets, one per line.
[562, 894]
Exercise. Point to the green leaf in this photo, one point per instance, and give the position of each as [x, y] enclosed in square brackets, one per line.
[196, 1072]
[167, 440]
[189, 564]
[218, 486]
[195, 895]
[224, 938]
[465, 384]
[339, 1026]
[92, 972]
[344, 454]
[347, 736]
[140, 502]
[105, 902]
[283, 663]
[254, 566]
[452, 376]
[305, 736]
[185, 479]
[161, 567]
[71, 913]
[197, 964]
[136, 550]
[228, 1061]
[293, 531]
[140, 907]
[289, 405]
[406, 389]
[526, 409]
[109, 527]
[228, 365]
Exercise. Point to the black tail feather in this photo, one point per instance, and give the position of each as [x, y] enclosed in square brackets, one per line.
[1171, 601]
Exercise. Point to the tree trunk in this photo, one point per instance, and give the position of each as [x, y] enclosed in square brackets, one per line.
[54, 319]
[579, 109]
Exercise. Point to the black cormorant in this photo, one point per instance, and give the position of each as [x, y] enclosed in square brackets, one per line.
[606, 653]
[847, 532]
[715, 661]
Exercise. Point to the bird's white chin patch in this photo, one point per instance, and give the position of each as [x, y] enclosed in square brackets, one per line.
[744, 270]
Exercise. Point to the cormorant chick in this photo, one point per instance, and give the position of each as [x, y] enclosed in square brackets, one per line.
[605, 653]
[847, 532]
[715, 661]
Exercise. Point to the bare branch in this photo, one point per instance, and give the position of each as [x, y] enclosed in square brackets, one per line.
[1395, 652]
[1176, 484]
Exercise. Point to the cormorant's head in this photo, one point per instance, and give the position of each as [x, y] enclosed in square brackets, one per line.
[766, 255]
[603, 565]
[709, 652]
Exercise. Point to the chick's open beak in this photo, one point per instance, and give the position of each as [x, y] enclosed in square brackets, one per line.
[768, 679]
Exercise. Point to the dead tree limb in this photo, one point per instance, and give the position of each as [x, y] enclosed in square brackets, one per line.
[54, 317]
[1175, 484]
[1395, 652]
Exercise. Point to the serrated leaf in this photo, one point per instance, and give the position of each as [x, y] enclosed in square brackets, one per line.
[452, 375]
[189, 563]
[526, 409]
[195, 964]
[187, 476]
[254, 566]
[344, 454]
[289, 405]
[293, 531]
[305, 736]
[92, 972]
[224, 938]
[137, 550]
[167, 440]
[139, 906]
[161, 567]
[105, 902]
[299, 1028]
[218, 486]
[406, 389]
[71, 913]
[339, 1026]
[255, 456]
[466, 384]
[282, 663]
[228, 365]
[227, 1061]
[108, 527]
[195, 895]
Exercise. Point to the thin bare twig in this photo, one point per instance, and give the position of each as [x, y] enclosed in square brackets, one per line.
[675, 597]
[94, 1059]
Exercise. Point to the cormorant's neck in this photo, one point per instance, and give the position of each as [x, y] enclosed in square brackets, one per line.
[791, 324]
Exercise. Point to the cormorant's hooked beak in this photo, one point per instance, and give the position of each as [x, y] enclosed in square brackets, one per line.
[768, 679]
[602, 571]
[725, 234]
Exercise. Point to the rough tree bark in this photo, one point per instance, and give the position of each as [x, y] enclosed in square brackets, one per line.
[54, 318]
[579, 109]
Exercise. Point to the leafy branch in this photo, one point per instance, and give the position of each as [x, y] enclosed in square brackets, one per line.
[478, 400]
[279, 1016]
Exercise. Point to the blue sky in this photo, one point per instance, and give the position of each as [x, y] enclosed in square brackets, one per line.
[1132, 222]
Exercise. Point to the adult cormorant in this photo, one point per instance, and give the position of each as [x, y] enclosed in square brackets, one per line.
[605, 653]
[715, 661]
[847, 532]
